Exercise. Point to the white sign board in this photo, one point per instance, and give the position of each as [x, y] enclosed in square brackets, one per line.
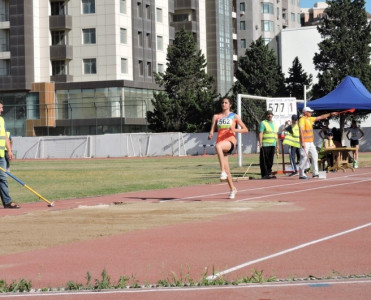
[283, 109]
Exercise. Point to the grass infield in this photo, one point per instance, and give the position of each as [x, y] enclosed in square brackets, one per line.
[77, 178]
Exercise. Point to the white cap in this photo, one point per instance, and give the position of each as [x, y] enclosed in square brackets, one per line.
[305, 109]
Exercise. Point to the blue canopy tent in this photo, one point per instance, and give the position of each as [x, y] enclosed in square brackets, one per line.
[350, 93]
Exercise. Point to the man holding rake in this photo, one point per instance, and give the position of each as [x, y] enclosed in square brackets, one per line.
[307, 141]
[4, 142]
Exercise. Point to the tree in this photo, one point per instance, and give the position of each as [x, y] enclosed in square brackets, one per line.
[345, 48]
[187, 102]
[297, 79]
[258, 74]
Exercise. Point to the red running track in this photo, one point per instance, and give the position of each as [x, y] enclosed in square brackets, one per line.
[328, 232]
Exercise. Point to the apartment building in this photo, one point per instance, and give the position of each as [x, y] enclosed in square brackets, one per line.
[314, 15]
[264, 18]
[79, 67]
[72, 67]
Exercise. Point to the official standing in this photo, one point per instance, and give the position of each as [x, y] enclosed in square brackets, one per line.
[307, 141]
[292, 139]
[268, 144]
[4, 142]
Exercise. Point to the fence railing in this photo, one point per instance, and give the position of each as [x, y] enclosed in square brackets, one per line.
[74, 111]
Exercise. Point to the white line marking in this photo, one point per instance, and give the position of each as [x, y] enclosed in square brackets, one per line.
[186, 289]
[302, 190]
[287, 251]
[297, 182]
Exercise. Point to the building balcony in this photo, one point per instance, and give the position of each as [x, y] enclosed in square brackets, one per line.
[61, 78]
[187, 25]
[185, 4]
[61, 52]
[60, 22]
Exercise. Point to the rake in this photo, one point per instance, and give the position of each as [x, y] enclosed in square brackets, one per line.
[50, 204]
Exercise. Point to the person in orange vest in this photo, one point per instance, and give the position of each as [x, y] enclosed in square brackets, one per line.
[307, 141]
[268, 144]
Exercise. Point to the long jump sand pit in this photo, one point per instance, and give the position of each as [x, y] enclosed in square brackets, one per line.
[43, 229]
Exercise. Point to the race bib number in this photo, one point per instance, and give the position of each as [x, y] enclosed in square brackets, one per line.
[224, 123]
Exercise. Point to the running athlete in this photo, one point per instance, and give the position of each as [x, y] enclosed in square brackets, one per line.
[226, 122]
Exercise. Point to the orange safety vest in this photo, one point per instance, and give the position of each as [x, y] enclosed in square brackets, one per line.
[306, 125]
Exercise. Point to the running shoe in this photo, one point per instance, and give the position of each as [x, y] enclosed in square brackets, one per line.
[355, 164]
[303, 177]
[233, 193]
[223, 176]
[294, 174]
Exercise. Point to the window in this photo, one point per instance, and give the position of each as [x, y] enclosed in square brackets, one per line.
[124, 66]
[4, 67]
[140, 39]
[149, 69]
[59, 67]
[160, 45]
[292, 17]
[180, 18]
[242, 6]
[243, 43]
[90, 66]
[88, 6]
[141, 71]
[160, 68]
[139, 10]
[267, 26]
[88, 36]
[266, 41]
[148, 12]
[267, 8]
[58, 38]
[159, 15]
[123, 6]
[58, 8]
[123, 36]
[242, 25]
[148, 40]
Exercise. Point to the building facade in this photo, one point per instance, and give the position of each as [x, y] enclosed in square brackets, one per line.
[81, 66]
[315, 15]
[78, 67]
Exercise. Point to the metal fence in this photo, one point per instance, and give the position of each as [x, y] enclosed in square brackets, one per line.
[99, 115]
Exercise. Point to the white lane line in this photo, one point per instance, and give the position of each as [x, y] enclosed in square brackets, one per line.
[302, 190]
[71, 294]
[297, 182]
[287, 251]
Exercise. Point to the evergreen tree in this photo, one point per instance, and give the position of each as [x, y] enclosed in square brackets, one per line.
[187, 102]
[297, 80]
[258, 74]
[345, 49]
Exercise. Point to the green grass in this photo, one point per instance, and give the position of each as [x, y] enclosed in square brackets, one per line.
[66, 179]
